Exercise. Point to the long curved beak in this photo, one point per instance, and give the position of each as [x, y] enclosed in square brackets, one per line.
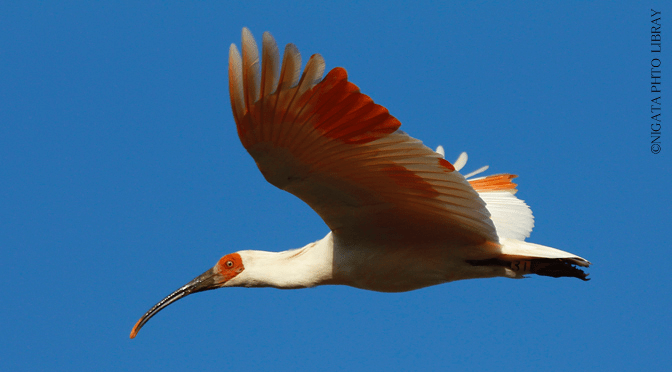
[203, 282]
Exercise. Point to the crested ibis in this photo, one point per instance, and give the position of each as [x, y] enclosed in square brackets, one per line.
[401, 216]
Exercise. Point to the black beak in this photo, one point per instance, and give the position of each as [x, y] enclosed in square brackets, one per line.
[203, 282]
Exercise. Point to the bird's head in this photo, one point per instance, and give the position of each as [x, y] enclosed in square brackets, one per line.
[220, 275]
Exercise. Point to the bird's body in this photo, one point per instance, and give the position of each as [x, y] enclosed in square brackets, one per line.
[368, 265]
[401, 216]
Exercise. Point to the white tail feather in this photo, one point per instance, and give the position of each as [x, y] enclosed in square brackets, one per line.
[525, 250]
[512, 218]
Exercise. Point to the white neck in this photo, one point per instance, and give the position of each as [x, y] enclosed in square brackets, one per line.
[297, 268]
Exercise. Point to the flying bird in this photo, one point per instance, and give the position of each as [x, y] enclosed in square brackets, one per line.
[401, 216]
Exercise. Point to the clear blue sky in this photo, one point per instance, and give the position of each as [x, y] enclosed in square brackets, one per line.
[122, 178]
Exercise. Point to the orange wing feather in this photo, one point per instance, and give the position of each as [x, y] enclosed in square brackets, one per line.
[497, 182]
[333, 147]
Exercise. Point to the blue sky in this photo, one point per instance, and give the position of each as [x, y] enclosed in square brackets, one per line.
[122, 178]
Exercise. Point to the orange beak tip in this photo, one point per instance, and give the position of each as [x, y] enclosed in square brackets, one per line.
[134, 331]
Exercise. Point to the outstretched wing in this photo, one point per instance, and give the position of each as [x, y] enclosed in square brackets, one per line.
[334, 148]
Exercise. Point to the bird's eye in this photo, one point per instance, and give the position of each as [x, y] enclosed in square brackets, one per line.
[229, 263]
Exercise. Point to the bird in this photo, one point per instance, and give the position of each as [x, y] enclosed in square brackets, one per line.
[401, 217]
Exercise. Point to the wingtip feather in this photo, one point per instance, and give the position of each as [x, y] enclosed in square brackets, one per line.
[439, 150]
[236, 83]
[250, 67]
[270, 64]
[312, 74]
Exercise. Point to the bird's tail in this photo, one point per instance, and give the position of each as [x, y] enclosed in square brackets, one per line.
[539, 259]
[521, 258]
[513, 221]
